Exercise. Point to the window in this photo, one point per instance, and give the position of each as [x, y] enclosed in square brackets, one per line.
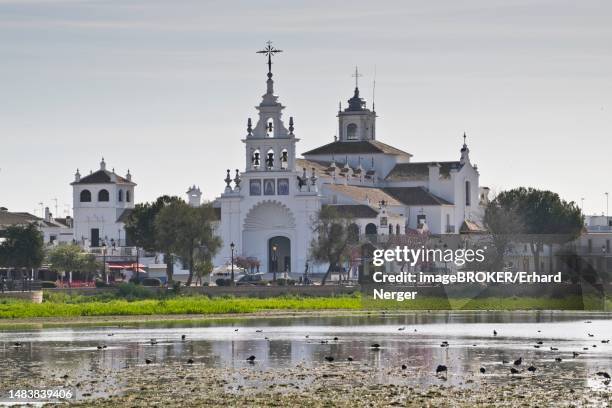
[383, 221]
[421, 220]
[103, 195]
[371, 229]
[270, 127]
[85, 196]
[397, 229]
[353, 233]
[269, 187]
[270, 159]
[282, 186]
[255, 187]
[128, 196]
[468, 193]
[284, 160]
[390, 229]
[256, 159]
[120, 196]
[351, 132]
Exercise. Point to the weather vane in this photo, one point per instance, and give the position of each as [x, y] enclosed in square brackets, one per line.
[269, 51]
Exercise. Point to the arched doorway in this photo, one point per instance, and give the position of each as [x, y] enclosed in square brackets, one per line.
[279, 254]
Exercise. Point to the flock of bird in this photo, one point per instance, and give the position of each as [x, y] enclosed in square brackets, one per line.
[441, 369]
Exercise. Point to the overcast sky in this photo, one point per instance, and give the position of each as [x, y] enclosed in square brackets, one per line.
[164, 88]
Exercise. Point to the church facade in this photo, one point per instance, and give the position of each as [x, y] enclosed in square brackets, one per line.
[267, 209]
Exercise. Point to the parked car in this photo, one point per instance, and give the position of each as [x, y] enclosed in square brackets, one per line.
[250, 279]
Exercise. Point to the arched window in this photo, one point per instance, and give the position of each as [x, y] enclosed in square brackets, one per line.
[120, 195]
[371, 229]
[397, 229]
[85, 196]
[128, 196]
[103, 195]
[270, 127]
[284, 159]
[256, 159]
[351, 132]
[390, 229]
[270, 159]
[468, 193]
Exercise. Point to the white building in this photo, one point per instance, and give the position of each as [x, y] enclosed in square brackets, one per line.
[102, 201]
[267, 211]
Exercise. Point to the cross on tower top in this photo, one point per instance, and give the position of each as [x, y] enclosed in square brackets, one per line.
[356, 75]
[269, 51]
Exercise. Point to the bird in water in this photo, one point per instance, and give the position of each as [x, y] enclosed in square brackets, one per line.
[349, 358]
[558, 359]
[147, 361]
[482, 370]
[401, 329]
[153, 342]
[605, 341]
[441, 369]
[258, 331]
[190, 361]
[518, 362]
[375, 346]
[540, 342]
[251, 359]
[17, 344]
[591, 335]
[404, 366]
[495, 332]
[532, 369]
[183, 337]
[553, 349]
[505, 361]
[329, 358]
[603, 374]
[514, 371]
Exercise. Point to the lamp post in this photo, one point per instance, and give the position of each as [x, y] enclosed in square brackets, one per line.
[274, 262]
[232, 246]
[104, 275]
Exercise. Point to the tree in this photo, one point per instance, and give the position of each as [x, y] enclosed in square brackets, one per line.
[187, 231]
[202, 268]
[23, 247]
[140, 228]
[333, 237]
[504, 225]
[546, 218]
[71, 258]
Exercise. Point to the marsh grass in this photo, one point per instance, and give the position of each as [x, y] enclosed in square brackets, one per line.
[174, 306]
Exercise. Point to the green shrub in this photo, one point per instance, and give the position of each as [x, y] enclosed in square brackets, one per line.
[101, 284]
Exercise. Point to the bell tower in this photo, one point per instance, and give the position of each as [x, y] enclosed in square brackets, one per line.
[356, 122]
[270, 146]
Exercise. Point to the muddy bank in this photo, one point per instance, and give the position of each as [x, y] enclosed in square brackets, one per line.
[341, 384]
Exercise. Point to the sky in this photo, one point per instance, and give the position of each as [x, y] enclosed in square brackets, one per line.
[165, 88]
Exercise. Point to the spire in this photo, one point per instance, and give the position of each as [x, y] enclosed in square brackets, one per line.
[356, 103]
[465, 151]
[77, 176]
[102, 164]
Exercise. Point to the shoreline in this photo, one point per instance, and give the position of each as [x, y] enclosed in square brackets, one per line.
[68, 321]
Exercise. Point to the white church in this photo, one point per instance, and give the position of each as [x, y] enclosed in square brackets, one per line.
[267, 210]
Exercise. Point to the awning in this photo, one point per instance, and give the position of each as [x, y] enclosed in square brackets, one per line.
[125, 265]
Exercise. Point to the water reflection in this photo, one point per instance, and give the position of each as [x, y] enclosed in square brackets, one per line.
[287, 342]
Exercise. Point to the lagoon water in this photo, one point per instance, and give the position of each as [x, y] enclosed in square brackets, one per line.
[411, 339]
